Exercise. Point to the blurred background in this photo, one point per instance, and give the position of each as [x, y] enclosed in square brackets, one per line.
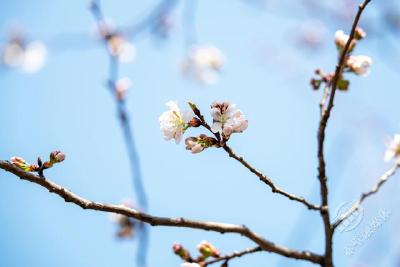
[53, 95]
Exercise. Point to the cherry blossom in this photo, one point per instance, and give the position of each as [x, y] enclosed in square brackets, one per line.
[173, 122]
[393, 151]
[203, 63]
[227, 119]
[26, 56]
[341, 38]
[236, 124]
[360, 65]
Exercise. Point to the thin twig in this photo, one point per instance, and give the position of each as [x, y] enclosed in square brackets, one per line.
[162, 8]
[321, 138]
[68, 196]
[381, 181]
[236, 254]
[268, 181]
[324, 98]
[261, 176]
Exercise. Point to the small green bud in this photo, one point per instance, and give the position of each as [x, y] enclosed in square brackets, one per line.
[343, 85]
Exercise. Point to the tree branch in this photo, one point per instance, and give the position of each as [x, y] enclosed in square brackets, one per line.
[260, 175]
[374, 190]
[321, 138]
[268, 181]
[236, 254]
[68, 196]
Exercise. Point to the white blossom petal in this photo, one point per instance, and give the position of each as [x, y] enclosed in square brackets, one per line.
[216, 127]
[360, 65]
[203, 63]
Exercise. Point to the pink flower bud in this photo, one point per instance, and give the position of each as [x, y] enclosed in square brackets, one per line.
[18, 161]
[56, 157]
[22, 164]
[193, 145]
[181, 252]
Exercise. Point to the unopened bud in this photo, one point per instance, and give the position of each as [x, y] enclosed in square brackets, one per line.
[181, 252]
[198, 144]
[20, 163]
[195, 122]
[193, 144]
[17, 161]
[121, 87]
[33, 168]
[57, 157]
[341, 40]
[315, 83]
[194, 108]
[359, 34]
[207, 249]
[318, 72]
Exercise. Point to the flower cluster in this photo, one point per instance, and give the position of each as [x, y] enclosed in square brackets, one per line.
[203, 63]
[205, 248]
[357, 64]
[393, 151]
[227, 119]
[24, 55]
[54, 158]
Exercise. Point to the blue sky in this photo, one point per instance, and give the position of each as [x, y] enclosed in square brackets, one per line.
[66, 106]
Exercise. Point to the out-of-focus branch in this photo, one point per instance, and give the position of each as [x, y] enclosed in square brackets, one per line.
[68, 196]
[134, 160]
[164, 7]
[322, 176]
[236, 254]
[381, 181]
[123, 114]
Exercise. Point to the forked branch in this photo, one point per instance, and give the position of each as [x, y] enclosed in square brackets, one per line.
[265, 179]
[381, 181]
[322, 176]
[68, 196]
